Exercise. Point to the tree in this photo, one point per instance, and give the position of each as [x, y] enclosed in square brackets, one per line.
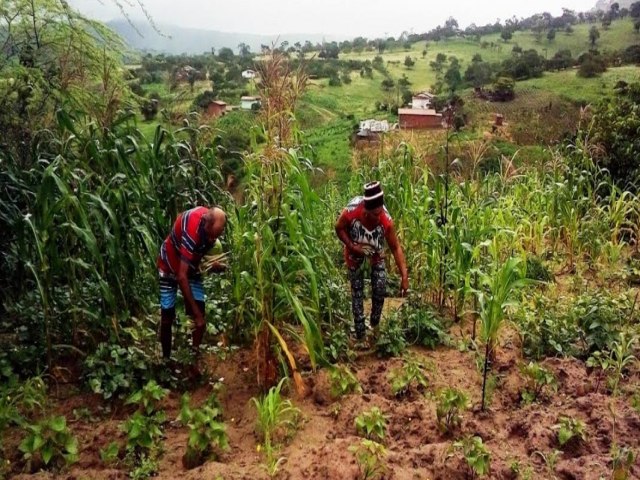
[591, 65]
[244, 50]
[452, 76]
[636, 26]
[225, 55]
[551, 35]
[615, 127]
[606, 21]
[478, 73]
[561, 60]
[506, 35]
[387, 84]
[409, 62]
[594, 35]
[614, 10]
[424, 53]
[504, 89]
[634, 10]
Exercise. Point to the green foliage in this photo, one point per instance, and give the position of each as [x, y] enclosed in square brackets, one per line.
[391, 340]
[343, 381]
[571, 430]
[622, 458]
[370, 456]
[538, 381]
[143, 432]
[277, 420]
[614, 126]
[450, 403]
[616, 363]
[206, 430]
[114, 371]
[148, 398]
[536, 270]
[110, 454]
[601, 316]
[372, 424]
[50, 442]
[476, 455]
[422, 324]
[410, 375]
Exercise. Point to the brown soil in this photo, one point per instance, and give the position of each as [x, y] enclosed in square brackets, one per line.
[416, 448]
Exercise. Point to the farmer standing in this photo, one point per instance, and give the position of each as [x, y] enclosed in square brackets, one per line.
[363, 227]
[194, 233]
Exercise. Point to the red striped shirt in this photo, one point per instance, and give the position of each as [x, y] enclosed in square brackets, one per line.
[187, 242]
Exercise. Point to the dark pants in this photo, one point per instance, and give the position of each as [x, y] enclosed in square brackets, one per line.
[378, 292]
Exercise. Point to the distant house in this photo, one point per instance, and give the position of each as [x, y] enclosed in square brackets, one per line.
[375, 126]
[249, 103]
[216, 108]
[249, 74]
[422, 100]
[415, 118]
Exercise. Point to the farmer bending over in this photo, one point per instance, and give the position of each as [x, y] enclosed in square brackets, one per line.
[193, 235]
[363, 227]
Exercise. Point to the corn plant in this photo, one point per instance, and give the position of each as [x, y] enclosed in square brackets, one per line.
[277, 420]
[501, 288]
[450, 403]
[372, 424]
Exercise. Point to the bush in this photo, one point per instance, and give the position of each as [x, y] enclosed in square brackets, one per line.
[601, 317]
[50, 442]
[422, 325]
[206, 431]
[591, 65]
[391, 340]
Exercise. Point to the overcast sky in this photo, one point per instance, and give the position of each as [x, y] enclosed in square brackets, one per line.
[333, 17]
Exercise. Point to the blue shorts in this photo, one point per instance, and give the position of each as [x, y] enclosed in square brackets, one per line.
[169, 289]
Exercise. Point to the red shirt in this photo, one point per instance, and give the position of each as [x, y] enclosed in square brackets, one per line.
[187, 242]
[361, 234]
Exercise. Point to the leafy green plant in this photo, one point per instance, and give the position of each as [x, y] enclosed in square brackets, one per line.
[520, 471]
[536, 270]
[277, 420]
[110, 454]
[411, 374]
[144, 435]
[450, 403]
[372, 424]
[370, 456]
[614, 364]
[51, 442]
[476, 455]
[148, 398]
[423, 326]
[601, 317]
[571, 430]
[116, 371]
[343, 381]
[391, 341]
[206, 431]
[622, 460]
[550, 459]
[537, 381]
[501, 286]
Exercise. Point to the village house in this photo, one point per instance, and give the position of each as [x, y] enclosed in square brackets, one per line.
[249, 74]
[216, 108]
[249, 103]
[419, 118]
[422, 100]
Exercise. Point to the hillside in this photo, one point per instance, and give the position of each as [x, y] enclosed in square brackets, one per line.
[176, 40]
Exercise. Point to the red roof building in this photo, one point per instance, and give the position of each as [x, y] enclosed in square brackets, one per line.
[217, 108]
[414, 118]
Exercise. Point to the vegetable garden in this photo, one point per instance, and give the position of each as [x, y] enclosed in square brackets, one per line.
[515, 355]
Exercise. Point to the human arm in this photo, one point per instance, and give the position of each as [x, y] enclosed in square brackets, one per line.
[342, 231]
[398, 255]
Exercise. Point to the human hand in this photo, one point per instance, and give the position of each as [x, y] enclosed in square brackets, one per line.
[357, 249]
[404, 287]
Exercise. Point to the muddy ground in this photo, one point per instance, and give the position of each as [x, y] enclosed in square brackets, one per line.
[416, 448]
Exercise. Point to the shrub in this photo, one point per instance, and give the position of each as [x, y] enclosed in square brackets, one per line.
[601, 317]
[536, 270]
[423, 326]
